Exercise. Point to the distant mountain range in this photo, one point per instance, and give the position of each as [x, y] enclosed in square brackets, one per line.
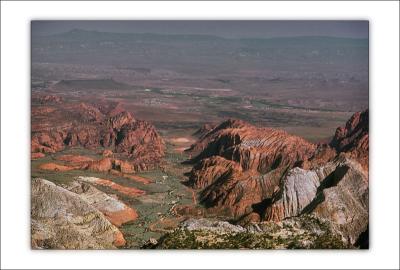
[213, 53]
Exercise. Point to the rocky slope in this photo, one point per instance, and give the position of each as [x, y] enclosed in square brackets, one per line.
[107, 126]
[240, 165]
[337, 191]
[113, 209]
[61, 219]
[260, 149]
[353, 138]
[255, 174]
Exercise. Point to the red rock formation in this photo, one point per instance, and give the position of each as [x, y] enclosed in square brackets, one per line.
[107, 153]
[113, 209]
[244, 169]
[240, 165]
[353, 139]
[129, 191]
[121, 119]
[207, 137]
[56, 167]
[37, 155]
[208, 170]
[82, 124]
[102, 165]
[137, 178]
[261, 149]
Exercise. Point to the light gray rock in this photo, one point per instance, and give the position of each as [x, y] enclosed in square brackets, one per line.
[337, 191]
[299, 188]
[345, 201]
[60, 219]
[211, 225]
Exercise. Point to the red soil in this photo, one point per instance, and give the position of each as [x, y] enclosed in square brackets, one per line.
[74, 158]
[120, 217]
[122, 189]
[55, 167]
[37, 155]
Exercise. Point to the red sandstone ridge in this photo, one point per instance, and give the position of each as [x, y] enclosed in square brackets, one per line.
[86, 125]
[353, 138]
[241, 169]
[240, 164]
[113, 209]
[128, 191]
[260, 149]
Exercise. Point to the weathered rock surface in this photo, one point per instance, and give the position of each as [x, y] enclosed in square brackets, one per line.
[298, 190]
[240, 166]
[113, 209]
[337, 191]
[61, 219]
[128, 191]
[258, 174]
[89, 126]
[345, 199]
[240, 193]
[261, 149]
[354, 138]
[208, 170]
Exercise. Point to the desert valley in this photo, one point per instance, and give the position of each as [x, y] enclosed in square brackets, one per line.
[153, 141]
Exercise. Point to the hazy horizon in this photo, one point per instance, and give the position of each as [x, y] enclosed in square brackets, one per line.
[225, 29]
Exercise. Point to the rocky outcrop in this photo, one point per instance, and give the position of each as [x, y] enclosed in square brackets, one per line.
[113, 209]
[208, 170]
[240, 193]
[121, 119]
[85, 125]
[261, 149]
[207, 136]
[61, 219]
[337, 191]
[258, 174]
[353, 138]
[345, 199]
[241, 165]
[128, 191]
[298, 189]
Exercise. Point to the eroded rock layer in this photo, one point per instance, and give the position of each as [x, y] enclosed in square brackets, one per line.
[80, 124]
[61, 219]
[256, 174]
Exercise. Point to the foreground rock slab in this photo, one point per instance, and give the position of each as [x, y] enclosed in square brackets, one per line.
[113, 209]
[61, 219]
